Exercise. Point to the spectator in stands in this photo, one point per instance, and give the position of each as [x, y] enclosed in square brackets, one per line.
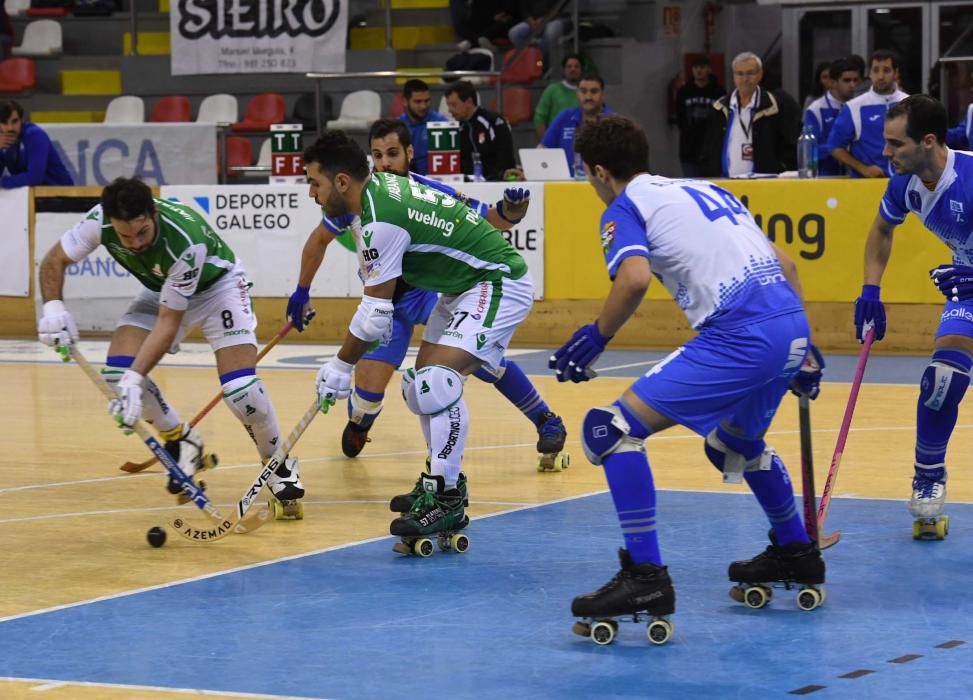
[693, 103]
[560, 134]
[558, 96]
[484, 135]
[27, 156]
[960, 136]
[752, 130]
[822, 82]
[485, 21]
[542, 25]
[417, 114]
[858, 63]
[857, 139]
[822, 112]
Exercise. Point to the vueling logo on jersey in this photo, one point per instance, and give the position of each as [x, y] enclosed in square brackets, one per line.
[430, 219]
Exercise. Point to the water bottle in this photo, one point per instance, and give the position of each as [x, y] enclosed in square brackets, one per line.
[578, 170]
[477, 168]
[807, 153]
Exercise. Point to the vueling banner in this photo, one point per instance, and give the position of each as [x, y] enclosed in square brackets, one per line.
[822, 224]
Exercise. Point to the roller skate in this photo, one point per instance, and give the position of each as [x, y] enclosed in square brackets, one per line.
[353, 439]
[927, 504]
[287, 490]
[550, 443]
[780, 566]
[403, 502]
[185, 446]
[642, 591]
[436, 511]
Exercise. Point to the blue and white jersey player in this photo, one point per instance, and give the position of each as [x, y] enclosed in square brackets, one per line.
[936, 184]
[742, 294]
[391, 149]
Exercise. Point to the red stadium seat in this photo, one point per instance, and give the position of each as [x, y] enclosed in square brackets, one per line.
[239, 151]
[47, 12]
[17, 75]
[263, 110]
[516, 105]
[172, 108]
[524, 66]
[398, 106]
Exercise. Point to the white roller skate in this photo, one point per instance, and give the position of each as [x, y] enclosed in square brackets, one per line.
[928, 502]
[185, 446]
[287, 490]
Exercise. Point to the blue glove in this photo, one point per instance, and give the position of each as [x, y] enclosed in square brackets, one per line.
[954, 281]
[299, 310]
[513, 206]
[336, 225]
[807, 381]
[869, 311]
[573, 358]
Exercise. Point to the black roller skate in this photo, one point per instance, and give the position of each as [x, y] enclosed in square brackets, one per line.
[354, 439]
[642, 591]
[550, 444]
[403, 502]
[436, 511]
[287, 490]
[780, 566]
[185, 446]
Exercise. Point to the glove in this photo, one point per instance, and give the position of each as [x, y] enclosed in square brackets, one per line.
[513, 206]
[571, 361]
[299, 310]
[127, 408]
[869, 313]
[334, 382]
[807, 381]
[56, 326]
[954, 281]
[336, 225]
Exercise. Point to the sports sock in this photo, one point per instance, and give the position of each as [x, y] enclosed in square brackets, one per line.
[517, 389]
[448, 432]
[935, 424]
[245, 395]
[155, 409]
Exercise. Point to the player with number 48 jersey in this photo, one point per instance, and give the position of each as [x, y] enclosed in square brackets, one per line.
[741, 293]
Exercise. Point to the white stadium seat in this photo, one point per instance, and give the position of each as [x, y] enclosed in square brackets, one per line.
[219, 108]
[358, 110]
[42, 39]
[126, 109]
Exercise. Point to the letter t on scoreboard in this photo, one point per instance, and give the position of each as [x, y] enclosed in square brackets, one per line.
[286, 154]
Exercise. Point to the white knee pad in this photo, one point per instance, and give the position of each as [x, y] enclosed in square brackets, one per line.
[409, 391]
[732, 463]
[360, 408]
[436, 389]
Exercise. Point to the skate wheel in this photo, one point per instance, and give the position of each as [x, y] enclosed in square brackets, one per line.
[756, 597]
[603, 632]
[422, 547]
[565, 460]
[582, 629]
[459, 543]
[277, 507]
[210, 461]
[659, 631]
[809, 599]
[942, 527]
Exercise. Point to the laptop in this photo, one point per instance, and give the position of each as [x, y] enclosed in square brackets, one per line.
[544, 164]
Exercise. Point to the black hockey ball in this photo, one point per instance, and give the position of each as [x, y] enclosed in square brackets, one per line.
[156, 536]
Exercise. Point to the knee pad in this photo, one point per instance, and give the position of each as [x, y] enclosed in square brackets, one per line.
[945, 380]
[246, 397]
[491, 376]
[409, 390]
[362, 411]
[729, 455]
[605, 431]
[436, 389]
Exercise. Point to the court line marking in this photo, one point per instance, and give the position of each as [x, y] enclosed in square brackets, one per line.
[49, 684]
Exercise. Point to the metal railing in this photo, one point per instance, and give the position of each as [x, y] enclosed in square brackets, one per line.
[320, 78]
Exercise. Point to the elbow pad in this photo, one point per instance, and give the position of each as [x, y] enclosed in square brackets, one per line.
[373, 320]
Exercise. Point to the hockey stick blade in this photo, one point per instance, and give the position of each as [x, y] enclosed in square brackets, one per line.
[135, 467]
[193, 533]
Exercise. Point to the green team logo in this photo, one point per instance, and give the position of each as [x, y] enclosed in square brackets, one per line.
[481, 340]
[367, 238]
[190, 259]
[424, 387]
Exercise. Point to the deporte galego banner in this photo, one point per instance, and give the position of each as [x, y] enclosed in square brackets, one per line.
[258, 36]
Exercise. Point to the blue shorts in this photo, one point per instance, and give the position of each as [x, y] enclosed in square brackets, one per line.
[732, 376]
[957, 319]
[411, 308]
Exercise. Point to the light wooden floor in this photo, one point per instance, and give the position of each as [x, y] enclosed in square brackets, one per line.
[72, 526]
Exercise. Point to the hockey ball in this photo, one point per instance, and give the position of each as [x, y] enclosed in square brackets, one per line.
[156, 536]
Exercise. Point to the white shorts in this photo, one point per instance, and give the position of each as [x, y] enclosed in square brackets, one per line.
[223, 312]
[481, 320]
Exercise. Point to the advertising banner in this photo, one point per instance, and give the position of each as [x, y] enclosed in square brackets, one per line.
[258, 36]
[160, 154]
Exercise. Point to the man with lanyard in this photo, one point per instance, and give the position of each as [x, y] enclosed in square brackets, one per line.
[821, 113]
[752, 130]
[391, 153]
[560, 134]
[857, 141]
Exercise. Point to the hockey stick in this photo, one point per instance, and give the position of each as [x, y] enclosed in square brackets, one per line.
[807, 469]
[135, 467]
[839, 449]
[222, 526]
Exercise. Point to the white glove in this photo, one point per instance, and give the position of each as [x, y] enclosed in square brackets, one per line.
[56, 326]
[127, 408]
[334, 381]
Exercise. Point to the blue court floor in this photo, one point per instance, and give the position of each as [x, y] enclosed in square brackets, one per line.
[362, 622]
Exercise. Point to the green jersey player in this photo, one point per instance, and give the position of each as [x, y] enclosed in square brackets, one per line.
[433, 242]
[190, 278]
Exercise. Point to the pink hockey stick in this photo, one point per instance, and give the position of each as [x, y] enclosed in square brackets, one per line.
[839, 449]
